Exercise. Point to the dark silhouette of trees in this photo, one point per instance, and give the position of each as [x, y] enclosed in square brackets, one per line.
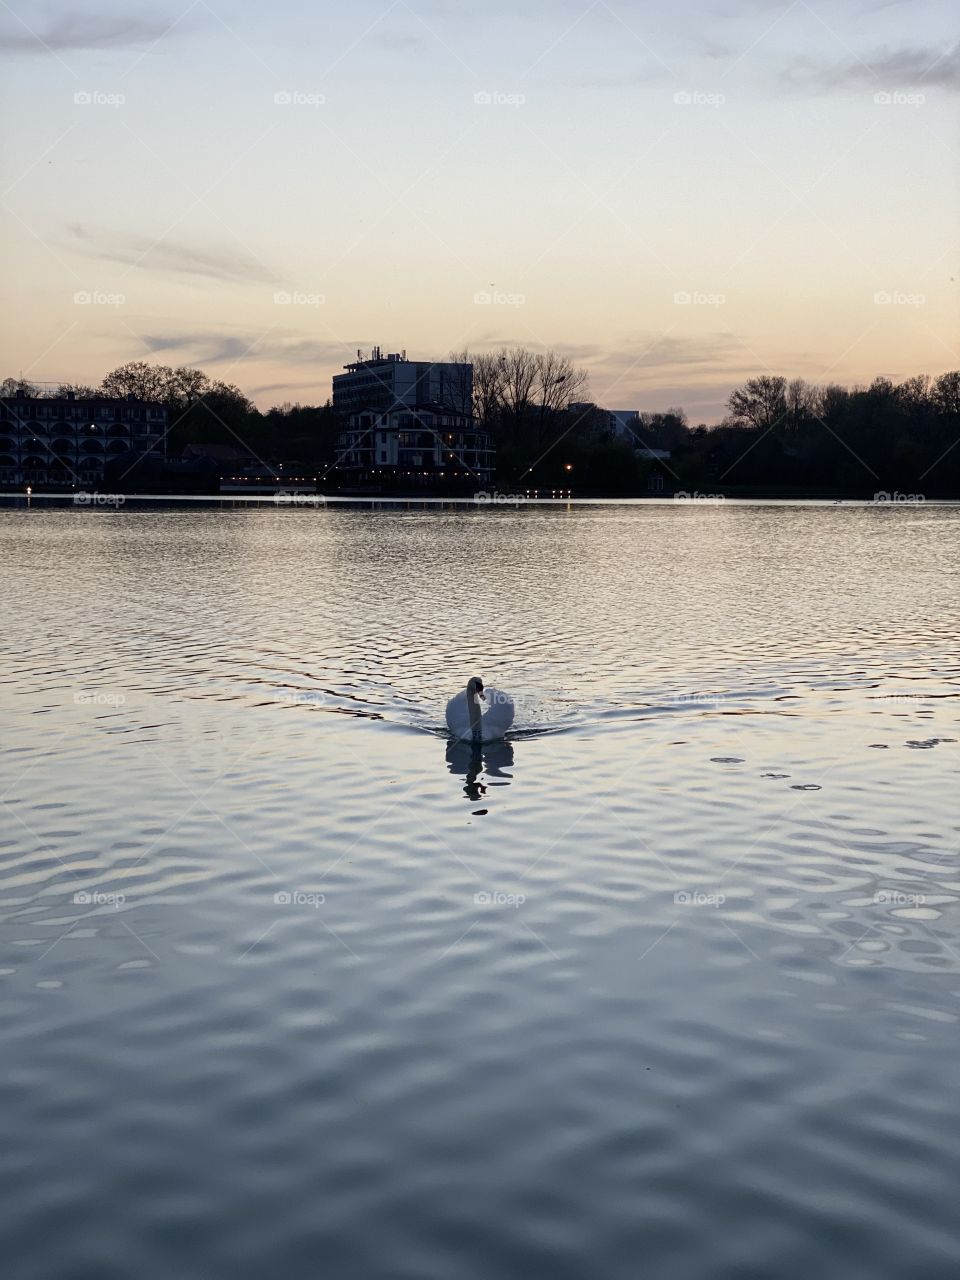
[760, 403]
[199, 409]
[884, 437]
[779, 437]
[521, 396]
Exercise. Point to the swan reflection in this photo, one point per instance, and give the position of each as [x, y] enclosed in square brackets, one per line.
[470, 760]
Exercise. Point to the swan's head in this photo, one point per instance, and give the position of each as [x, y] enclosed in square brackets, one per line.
[474, 687]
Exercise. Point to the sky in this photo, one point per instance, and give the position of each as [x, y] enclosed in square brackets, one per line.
[678, 196]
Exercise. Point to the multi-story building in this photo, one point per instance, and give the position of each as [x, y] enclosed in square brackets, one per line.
[381, 382]
[418, 447]
[66, 442]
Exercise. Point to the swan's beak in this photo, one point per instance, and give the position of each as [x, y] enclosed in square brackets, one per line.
[483, 696]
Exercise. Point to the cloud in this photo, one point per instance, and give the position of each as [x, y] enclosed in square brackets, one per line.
[170, 256]
[78, 31]
[890, 69]
[219, 348]
[646, 351]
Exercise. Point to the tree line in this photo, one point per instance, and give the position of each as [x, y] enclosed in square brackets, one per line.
[777, 435]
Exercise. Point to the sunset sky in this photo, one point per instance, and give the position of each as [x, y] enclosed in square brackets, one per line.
[678, 196]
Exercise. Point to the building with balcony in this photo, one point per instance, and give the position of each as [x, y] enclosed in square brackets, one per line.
[381, 383]
[64, 443]
[422, 447]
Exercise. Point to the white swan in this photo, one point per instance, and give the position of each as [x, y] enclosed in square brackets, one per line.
[466, 720]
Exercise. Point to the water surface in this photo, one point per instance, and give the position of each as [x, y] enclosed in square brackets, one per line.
[667, 985]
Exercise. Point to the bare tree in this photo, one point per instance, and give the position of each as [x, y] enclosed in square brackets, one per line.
[760, 403]
[557, 385]
[461, 392]
[801, 402]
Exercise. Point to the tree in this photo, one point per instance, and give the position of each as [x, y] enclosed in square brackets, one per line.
[198, 409]
[760, 403]
[12, 386]
[79, 390]
[145, 381]
[946, 393]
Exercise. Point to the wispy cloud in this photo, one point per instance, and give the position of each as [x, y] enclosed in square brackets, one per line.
[78, 31]
[170, 256]
[908, 67]
[250, 346]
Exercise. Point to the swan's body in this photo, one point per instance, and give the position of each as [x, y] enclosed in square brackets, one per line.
[479, 715]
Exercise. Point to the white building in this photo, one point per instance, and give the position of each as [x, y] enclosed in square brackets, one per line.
[381, 383]
[421, 447]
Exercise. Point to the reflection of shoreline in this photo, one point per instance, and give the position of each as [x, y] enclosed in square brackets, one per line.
[470, 761]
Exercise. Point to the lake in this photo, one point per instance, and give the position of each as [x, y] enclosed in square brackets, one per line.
[666, 985]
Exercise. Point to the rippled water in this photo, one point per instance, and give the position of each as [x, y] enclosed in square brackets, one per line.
[701, 1019]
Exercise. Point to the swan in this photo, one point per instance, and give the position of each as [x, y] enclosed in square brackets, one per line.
[466, 720]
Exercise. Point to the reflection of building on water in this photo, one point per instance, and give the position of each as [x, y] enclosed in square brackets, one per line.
[488, 758]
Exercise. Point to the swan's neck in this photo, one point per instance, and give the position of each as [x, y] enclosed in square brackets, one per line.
[473, 708]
